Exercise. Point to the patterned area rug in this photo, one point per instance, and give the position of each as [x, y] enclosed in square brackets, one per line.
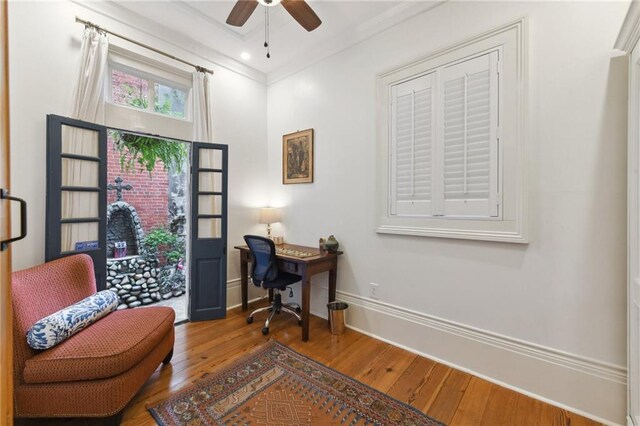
[278, 386]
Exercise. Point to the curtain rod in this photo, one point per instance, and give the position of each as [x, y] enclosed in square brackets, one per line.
[92, 25]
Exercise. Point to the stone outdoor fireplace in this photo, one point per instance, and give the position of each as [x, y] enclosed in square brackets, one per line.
[123, 224]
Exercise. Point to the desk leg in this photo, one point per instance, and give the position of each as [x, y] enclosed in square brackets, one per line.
[333, 273]
[333, 278]
[244, 284]
[306, 292]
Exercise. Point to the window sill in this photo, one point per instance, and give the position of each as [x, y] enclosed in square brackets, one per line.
[481, 235]
[147, 111]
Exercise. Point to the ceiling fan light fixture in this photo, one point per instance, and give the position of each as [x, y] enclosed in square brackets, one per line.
[269, 3]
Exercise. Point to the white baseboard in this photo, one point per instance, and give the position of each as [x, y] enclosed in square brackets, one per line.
[588, 387]
[234, 293]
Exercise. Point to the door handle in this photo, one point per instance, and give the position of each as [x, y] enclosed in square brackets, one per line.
[4, 195]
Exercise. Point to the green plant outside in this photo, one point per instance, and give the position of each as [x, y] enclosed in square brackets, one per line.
[145, 152]
[160, 243]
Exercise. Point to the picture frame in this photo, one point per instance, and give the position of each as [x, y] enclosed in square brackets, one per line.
[297, 157]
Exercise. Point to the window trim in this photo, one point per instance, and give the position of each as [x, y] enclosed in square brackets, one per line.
[511, 227]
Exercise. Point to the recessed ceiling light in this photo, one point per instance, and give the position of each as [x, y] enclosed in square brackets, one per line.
[245, 56]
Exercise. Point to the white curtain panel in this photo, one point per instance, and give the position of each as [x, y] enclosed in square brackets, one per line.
[202, 132]
[88, 92]
[202, 124]
[88, 105]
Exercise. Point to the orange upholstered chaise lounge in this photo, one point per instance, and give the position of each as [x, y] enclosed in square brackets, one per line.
[95, 372]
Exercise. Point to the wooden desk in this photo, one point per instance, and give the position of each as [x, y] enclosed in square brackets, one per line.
[305, 267]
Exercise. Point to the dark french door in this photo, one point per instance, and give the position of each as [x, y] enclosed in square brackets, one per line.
[76, 204]
[208, 296]
[76, 207]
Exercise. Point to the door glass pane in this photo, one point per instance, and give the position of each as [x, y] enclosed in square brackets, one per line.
[73, 233]
[80, 141]
[209, 182]
[209, 228]
[210, 158]
[79, 204]
[79, 173]
[210, 204]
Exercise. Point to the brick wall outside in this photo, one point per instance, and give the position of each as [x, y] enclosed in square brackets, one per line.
[126, 88]
[150, 194]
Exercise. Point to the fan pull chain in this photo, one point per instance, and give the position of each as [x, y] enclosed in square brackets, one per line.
[266, 30]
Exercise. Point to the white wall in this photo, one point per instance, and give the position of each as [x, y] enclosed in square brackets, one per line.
[564, 293]
[44, 52]
[559, 301]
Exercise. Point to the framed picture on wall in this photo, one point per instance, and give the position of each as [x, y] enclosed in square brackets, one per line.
[297, 157]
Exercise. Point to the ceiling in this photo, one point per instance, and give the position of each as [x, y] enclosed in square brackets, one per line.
[343, 23]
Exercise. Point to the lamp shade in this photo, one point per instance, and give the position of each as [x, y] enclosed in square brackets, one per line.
[269, 215]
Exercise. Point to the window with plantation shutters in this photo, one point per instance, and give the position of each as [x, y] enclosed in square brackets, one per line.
[451, 140]
[469, 123]
[444, 141]
[412, 144]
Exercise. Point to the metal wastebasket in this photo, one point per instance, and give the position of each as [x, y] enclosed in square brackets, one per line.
[336, 316]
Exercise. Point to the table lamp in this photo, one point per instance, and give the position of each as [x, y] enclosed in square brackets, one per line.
[269, 215]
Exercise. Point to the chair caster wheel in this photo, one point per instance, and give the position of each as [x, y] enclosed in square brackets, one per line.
[249, 320]
[298, 309]
[265, 330]
[300, 323]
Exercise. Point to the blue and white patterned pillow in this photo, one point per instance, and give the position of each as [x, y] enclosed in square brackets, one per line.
[61, 325]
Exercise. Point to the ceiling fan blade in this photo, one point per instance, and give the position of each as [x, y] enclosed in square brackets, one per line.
[302, 12]
[241, 12]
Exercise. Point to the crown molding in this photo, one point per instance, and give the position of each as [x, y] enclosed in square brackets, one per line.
[630, 30]
[357, 34]
[195, 12]
[278, 19]
[116, 13]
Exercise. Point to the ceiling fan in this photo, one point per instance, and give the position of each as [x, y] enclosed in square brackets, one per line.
[298, 9]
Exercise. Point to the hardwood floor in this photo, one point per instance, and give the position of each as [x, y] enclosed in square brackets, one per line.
[446, 394]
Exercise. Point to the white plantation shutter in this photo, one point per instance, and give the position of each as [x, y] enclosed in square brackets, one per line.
[469, 124]
[412, 140]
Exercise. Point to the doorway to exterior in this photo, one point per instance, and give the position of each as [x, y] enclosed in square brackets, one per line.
[147, 221]
[78, 193]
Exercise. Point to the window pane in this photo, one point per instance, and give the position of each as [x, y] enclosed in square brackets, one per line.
[210, 158]
[78, 141]
[73, 233]
[209, 204]
[209, 182]
[127, 89]
[79, 204]
[80, 173]
[169, 100]
[209, 228]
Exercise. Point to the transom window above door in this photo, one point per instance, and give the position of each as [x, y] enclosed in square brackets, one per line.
[144, 92]
[149, 96]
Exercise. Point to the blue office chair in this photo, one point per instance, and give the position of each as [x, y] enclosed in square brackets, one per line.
[266, 274]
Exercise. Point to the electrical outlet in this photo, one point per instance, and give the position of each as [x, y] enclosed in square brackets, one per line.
[373, 290]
